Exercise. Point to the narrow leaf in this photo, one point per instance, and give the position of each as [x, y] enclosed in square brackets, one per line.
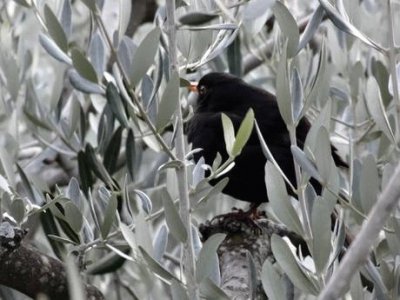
[173, 219]
[196, 18]
[271, 281]
[376, 108]
[279, 199]
[288, 25]
[83, 66]
[156, 267]
[283, 91]
[116, 104]
[55, 30]
[287, 261]
[229, 133]
[204, 264]
[169, 102]
[109, 216]
[144, 55]
[244, 132]
[321, 229]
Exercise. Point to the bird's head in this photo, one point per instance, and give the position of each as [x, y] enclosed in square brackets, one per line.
[216, 91]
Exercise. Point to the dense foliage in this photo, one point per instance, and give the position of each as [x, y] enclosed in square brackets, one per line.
[89, 131]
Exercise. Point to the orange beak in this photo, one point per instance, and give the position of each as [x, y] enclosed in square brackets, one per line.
[193, 87]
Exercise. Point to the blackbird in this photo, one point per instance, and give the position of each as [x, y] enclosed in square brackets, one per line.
[225, 93]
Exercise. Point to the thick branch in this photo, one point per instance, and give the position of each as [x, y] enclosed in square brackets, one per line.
[358, 252]
[30, 272]
[244, 240]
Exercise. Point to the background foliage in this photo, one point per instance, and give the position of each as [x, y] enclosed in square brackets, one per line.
[86, 113]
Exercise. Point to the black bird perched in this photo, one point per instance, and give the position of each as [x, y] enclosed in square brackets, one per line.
[225, 93]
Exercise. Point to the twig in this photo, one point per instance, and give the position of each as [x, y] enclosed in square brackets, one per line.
[181, 173]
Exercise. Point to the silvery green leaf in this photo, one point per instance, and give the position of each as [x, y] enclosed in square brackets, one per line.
[282, 89]
[289, 264]
[279, 199]
[198, 173]
[209, 291]
[7, 166]
[224, 26]
[111, 153]
[26, 184]
[17, 210]
[178, 291]
[73, 216]
[311, 27]
[130, 154]
[83, 66]
[55, 30]
[11, 70]
[143, 236]
[174, 221]
[75, 282]
[382, 76]
[61, 239]
[321, 229]
[196, 18]
[390, 82]
[229, 133]
[255, 15]
[322, 153]
[288, 26]
[84, 85]
[244, 132]
[215, 190]
[146, 201]
[377, 109]
[197, 244]
[345, 26]
[205, 261]
[52, 48]
[303, 161]
[4, 185]
[126, 49]
[316, 86]
[272, 282]
[369, 183]
[73, 192]
[91, 4]
[144, 55]
[156, 267]
[96, 166]
[147, 88]
[128, 235]
[97, 54]
[235, 57]
[119, 252]
[24, 3]
[125, 8]
[87, 231]
[116, 104]
[160, 243]
[310, 196]
[109, 216]
[169, 102]
[66, 17]
[323, 120]
[108, 263]
[297, 95]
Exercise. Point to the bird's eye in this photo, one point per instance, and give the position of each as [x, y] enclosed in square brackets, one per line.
[202, 90]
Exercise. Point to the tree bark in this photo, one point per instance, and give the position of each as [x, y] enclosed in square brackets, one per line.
[32, 273]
